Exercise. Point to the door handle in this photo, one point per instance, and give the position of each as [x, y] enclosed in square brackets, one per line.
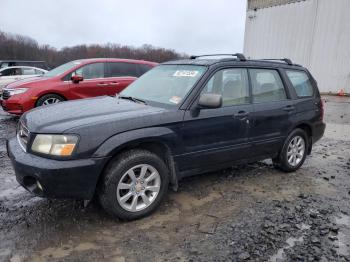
[115, 83]
[241, 115]
[289, 108]
[102, 84]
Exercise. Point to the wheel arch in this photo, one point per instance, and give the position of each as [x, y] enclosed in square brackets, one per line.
[160, 143]
[49, 93]
[308, 130]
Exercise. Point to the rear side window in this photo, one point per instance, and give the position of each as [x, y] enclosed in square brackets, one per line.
[120, 69]
[267, 85]
[301, 83]
[144, 68]
[28, 71]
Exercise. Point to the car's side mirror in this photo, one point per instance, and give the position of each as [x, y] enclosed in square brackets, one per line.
[76, 79]
[210, 101]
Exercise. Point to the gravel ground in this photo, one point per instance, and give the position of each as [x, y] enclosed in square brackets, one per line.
[245, 213]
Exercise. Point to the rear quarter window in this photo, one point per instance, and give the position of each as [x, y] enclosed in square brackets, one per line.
[301, 83]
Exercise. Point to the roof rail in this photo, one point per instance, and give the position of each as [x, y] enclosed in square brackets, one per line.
[240, 56]
[286, 60]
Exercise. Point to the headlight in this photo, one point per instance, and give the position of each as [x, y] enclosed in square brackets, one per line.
[56, 145]
[16, 91]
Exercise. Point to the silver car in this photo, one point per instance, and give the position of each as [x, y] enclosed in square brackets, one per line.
[14, 73]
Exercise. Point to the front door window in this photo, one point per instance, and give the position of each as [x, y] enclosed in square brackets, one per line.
[232, 84]
[91, 71]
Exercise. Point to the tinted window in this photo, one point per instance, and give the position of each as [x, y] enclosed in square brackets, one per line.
[123, 69]
[8, 72]
[267, 85]
[144, 68]
[91, 71]
[301, 83]
[11, 72]
[232, 84]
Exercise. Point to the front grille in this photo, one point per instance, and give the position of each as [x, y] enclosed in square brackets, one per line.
[6, 94]
[22, 135]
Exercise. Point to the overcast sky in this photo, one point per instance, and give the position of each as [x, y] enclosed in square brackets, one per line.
[190, 26]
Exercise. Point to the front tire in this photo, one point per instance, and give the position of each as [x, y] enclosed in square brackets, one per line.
[49, 99]
[134, 185]
[294, 151]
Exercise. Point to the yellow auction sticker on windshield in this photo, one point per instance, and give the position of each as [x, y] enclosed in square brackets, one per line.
[185, 73]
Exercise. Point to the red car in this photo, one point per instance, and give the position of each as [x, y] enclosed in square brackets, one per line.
[73, 80]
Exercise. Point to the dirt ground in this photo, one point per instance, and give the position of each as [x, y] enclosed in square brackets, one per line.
[245, 213]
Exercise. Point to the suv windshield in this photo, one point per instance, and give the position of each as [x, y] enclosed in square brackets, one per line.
[62, 68]
[165, 84]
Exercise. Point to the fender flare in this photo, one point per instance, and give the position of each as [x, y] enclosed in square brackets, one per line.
[163, 135]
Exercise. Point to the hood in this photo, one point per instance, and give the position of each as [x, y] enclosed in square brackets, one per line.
[28, 82]
[61, 117]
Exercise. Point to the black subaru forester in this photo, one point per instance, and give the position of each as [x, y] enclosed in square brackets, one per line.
[179, 119]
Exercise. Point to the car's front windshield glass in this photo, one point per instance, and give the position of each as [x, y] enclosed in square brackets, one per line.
[165, 84]
[62, 68]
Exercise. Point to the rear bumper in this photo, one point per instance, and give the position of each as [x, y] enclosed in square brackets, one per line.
[55, 179]
[318, 131]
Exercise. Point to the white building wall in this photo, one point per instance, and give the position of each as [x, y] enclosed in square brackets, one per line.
[314, 33]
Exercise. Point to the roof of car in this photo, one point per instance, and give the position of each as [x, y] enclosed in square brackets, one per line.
[248, 62]
[27, 61]
[9, 67]
[205, 62]
[89, 60]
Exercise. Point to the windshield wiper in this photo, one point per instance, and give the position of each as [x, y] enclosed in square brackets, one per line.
[134, 99]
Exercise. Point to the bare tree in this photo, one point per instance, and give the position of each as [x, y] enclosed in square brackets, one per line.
[25, 48]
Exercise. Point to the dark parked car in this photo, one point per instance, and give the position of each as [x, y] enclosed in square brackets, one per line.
[180, 118]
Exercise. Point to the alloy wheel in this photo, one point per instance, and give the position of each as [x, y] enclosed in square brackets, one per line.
[50, 101]
[295, 151]
[138, 188]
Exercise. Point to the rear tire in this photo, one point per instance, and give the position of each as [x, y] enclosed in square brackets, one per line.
[294, 151]
[134, 185]
[49, 99]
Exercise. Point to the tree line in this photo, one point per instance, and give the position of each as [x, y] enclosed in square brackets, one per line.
[19, 47]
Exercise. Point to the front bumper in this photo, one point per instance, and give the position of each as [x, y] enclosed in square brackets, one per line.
[57, 179]
[17, 104]
[12, 107]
